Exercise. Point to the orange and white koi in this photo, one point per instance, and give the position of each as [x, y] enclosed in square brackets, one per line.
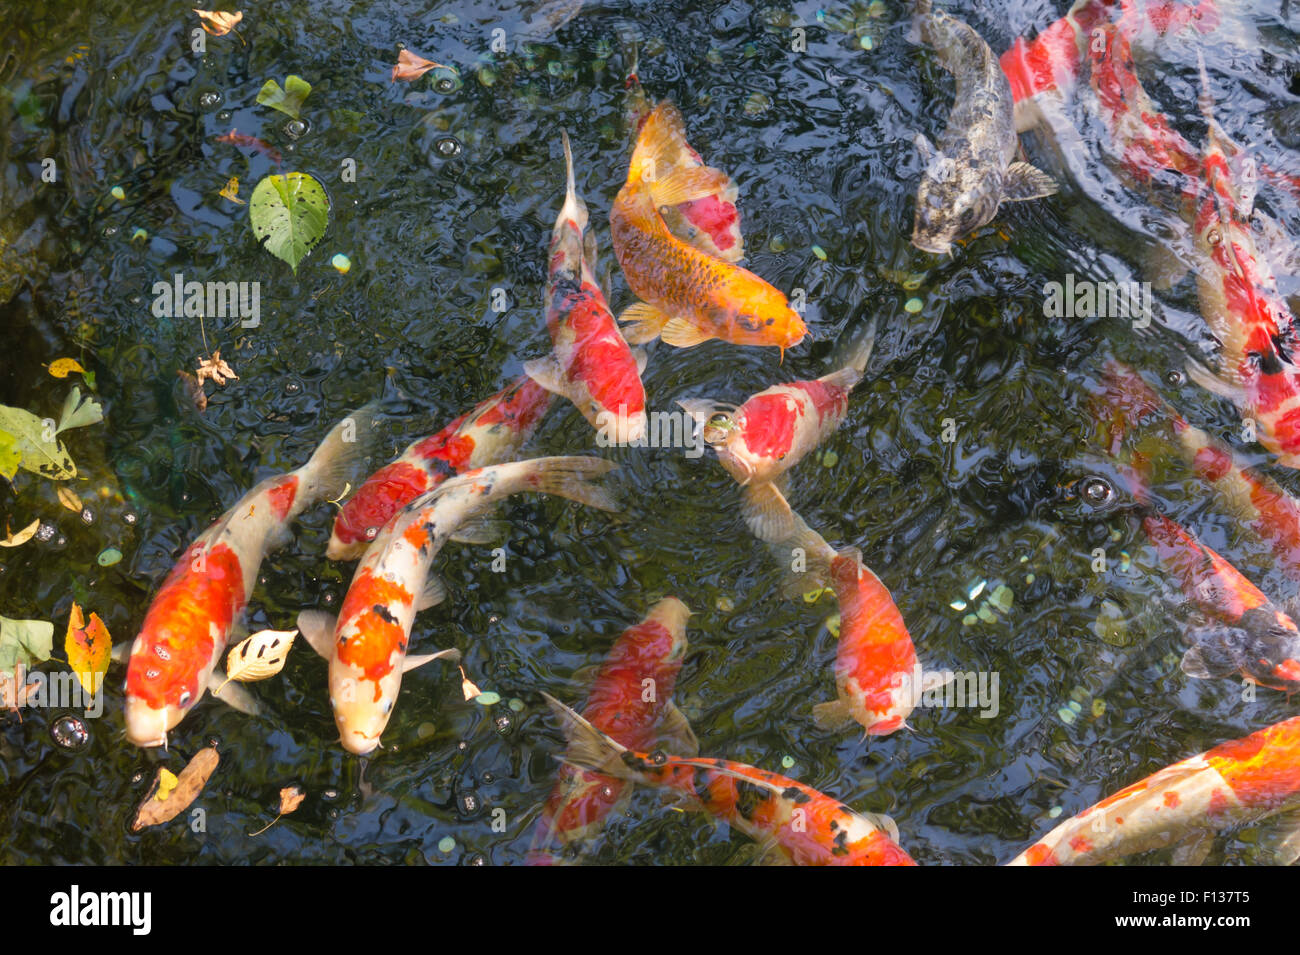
[797, 823]
[687, 296]
[196, 610]
[647, 656]
[759, 442]
[491, 433]
[1235, 783]
[366, 646]
[591, 364]
[710, 223]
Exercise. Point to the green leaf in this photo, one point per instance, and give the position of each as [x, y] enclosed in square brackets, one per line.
[78, 412]
[289, 214]
[10, 455]
[287, 100]
[25, 641]
[34, 440]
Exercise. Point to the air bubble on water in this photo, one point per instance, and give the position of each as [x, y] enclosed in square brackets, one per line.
[447, 147]
[445, 84]
[129, 517]
[70, 732]
[110, 231]
[477, 858]
[503, 723]
[292, 388]
[488, 778]
[1175, 378]
[45, 532]
[1097, 491]
[467, 803]
[295, 128]
[463, 745]
[224, 116]
[328, 597]
[210, 99]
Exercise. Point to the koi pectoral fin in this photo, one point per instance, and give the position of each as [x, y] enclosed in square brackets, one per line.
[1206, 665]
[768, 514]
[1282, 836]
[1193, 849]
[642, 323]
[676, 735]
[451, 655]
[1023, 182]
[234, 695]
[681, 333]
[317, 628]
[688, 185]
[832, 717]
[548, 373]
[434, 592]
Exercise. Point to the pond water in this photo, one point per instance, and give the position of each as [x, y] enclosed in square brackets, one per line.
[458, 181]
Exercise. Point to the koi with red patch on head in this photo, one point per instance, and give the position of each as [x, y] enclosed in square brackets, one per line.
[367, 644]
[631, 700]
[1235, 783]
[190, 620]
[492, 432]
[590, 364]
[803, 825]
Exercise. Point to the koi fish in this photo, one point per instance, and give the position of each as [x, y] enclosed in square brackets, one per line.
[651, 651]
[236, 138]
[794, 822]
[591, 364]
[710, 223]
[366, 645]
[687, 296]
[199, 605]
[1254, 500]
[1235, 783]
[972, 170]
[491, 433]
[1243, 308]
[772, 432]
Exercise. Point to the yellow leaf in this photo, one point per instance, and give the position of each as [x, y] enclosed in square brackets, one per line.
[260, 656]
[22, 536]
[63, 367]
[68, 498]
[181, 790]
[167, 781]
[88, 647]
[219, 22]
[231, 191]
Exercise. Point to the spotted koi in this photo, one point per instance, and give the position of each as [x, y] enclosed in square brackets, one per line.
[647, 657]
[795, 822]
[202, 600]
[366, 645]
[1236, 783]
[591, 363]
[491, 433]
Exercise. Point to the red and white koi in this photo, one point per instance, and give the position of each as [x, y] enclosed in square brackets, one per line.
[646, 658]
[772, 432]
[1235, 783]
[797, 823]
[491, 433]
[203, 599]
[366, 646]
[591, 364]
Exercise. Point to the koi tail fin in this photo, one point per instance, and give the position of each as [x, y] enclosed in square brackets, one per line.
[855, 351]
[329, 474]
[574, 208]
[589, 748]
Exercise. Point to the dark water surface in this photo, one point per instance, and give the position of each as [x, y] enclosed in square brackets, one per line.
[820, 143]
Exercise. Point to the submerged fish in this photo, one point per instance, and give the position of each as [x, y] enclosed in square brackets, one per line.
[631, 700]
[1233, 784]
[710, 223]
[201, 602]
[366, 646]
[687, 296]
[492, 432]
[591, 364]
[773, 431]
[972, 171]
[793, 822]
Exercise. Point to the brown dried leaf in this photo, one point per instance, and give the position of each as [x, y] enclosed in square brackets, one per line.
[219, 22]
[411, 67]
[216, 369]
[291, 798]
[189, 784]
[468, 688]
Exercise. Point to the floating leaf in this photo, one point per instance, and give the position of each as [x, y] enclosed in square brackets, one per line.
[62, 367]
[468, 688]
[158, 808]
[260, 656]
[88, 647]
[214, 368]
[231, 191]
[287, 100]
[78, 411]
[219, 22]
[289, 214]
[411, 67]
[68, 498]
[35, 442]
[291, 798]
[166, 783]
[10, 455]
[25, 641]
[108, 557]
[22, 536]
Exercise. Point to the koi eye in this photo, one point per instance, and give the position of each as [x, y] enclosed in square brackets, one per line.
[720, 421]
[659, 757]
[1215, 236]
[185, 698]
[372, 533]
